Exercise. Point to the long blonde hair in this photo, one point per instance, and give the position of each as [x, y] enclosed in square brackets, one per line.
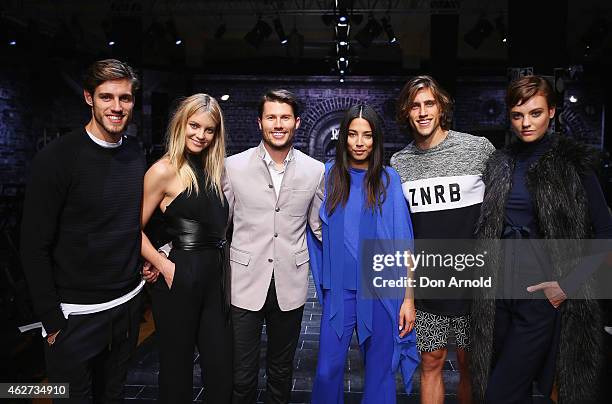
[212, 156]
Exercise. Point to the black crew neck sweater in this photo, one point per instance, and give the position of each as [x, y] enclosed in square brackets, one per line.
[80, 235]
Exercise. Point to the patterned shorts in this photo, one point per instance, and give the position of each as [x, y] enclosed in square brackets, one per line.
[433, 329]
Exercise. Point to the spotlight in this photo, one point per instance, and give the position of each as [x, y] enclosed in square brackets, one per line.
[596, 34]
[341, 80]
[225, 97]
[342, 65]
[575, 71]
[389, 30]
[481, 31]
[368, 33]
[573, 99]
[260, 31]
[342, 59]
[171, 30]
[111, 43]
[342, 32]
[220, 30]
[278, 27]
[343, 18]
[343, 43]
[12, 42]
[500, 27]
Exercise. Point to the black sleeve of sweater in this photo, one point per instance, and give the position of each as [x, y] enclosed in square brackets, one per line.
[44, 199]
[601, 220]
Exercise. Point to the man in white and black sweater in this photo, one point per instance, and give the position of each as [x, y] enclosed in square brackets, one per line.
[80, 241]
[441, 172]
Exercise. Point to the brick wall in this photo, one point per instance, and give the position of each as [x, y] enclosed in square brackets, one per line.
[480, 108]
[33, 111]
[33, 108]
[583, 119]
[15, 139]
[322, 99]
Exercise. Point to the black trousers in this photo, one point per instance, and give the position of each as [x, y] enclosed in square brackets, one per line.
[92, 353]
[524, 332]
[283, 331]
[188, 315]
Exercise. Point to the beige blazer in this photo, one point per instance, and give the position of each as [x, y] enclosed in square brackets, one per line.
[269, 234]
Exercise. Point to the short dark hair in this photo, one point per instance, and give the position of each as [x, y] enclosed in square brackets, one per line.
[409, 92]
[280, 95]
[523, 88]
[108, 69]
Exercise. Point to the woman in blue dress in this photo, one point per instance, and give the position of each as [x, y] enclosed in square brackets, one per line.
[363, 201]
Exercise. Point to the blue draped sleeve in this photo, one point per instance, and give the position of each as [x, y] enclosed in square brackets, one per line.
[397, 216]
[315, 250]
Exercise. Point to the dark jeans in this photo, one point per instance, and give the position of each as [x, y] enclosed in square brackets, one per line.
[92, 353]
[283, 331]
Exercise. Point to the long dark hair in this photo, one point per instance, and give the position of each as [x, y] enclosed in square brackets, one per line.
[339, 182]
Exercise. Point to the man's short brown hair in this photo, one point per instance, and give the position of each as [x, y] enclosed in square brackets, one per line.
[523, 88]
[409, 92]
[280, 95]
[108, 69]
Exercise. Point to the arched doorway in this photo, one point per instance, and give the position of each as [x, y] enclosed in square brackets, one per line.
[324, 135]
[322, 124]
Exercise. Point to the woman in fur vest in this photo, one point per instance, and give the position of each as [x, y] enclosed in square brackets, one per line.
[540, 189]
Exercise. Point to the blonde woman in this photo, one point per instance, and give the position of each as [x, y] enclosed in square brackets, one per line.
[190, 303]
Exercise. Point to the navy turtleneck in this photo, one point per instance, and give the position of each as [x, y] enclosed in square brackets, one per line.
[519, 206]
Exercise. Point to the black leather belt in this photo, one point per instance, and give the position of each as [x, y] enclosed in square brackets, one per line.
[191, 235]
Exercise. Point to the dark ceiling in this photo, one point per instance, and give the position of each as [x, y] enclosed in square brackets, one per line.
[221, 36]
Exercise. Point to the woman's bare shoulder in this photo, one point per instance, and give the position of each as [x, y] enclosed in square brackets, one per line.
[162, 169]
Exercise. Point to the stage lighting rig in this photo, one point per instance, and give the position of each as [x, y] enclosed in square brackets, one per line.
[370, 32]
[481, 31]
[389, 30]
[280, 31]
[258, 33]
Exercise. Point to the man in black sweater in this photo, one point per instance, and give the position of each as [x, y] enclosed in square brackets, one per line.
[80, 241]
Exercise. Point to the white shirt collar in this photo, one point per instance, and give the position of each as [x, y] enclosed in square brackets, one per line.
[269, 160]
[103, 143]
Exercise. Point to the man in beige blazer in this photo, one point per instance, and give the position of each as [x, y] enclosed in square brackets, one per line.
[273, 191]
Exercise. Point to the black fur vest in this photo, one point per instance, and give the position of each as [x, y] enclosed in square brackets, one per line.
[561, 209]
